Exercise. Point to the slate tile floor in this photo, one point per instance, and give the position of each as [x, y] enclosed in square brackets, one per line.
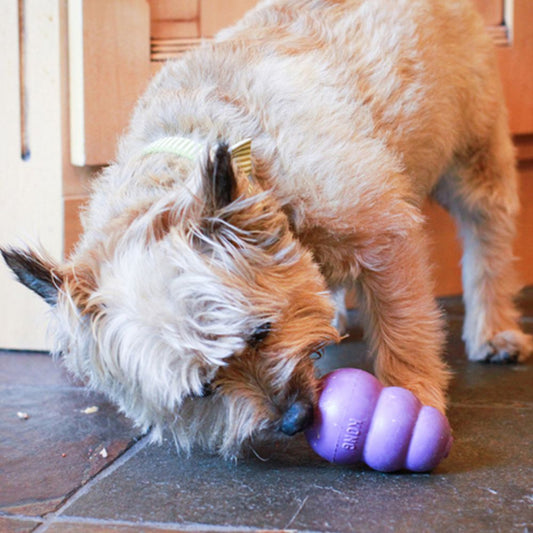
[65, 469]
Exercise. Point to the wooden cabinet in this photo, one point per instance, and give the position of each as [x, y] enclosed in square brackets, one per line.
[492, 11]
[109, 65]
[176, 26]
[72, 71]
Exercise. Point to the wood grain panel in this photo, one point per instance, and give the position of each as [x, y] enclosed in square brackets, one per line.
[215, 15]
[524, 147]
[73, 227]
[524, 242]
[172, 36]
[445, 250]
[516, 63]
[491, 10]
[171, 18]
[30, 188]
[174, 9]
[109, 45]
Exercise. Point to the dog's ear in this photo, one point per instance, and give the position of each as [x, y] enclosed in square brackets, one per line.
[219, 179]
[38, 273]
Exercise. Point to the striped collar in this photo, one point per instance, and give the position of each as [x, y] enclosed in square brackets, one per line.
[241, 152]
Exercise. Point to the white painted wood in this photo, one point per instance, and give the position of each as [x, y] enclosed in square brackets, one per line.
[76, 84]
[109, 59]
[31, 206]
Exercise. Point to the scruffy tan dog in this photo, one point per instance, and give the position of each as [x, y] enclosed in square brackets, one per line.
[200, 291]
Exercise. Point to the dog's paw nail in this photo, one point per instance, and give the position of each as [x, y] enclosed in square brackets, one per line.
[507, 347]
[505, 358]
[497, 357]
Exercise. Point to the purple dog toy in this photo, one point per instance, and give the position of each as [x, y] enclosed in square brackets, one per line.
[357, 419]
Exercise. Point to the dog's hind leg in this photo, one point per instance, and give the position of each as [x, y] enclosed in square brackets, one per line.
[481, 193]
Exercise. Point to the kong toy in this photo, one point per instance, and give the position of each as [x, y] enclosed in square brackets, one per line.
[357, 419]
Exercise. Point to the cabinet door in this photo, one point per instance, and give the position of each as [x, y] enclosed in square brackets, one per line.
[515, 61]
[491, 10]
[216, 15]
[110, 66]
[510, 23]
[30, 151]
[109, 62]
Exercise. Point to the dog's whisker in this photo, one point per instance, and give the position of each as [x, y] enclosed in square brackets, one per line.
[254, 451]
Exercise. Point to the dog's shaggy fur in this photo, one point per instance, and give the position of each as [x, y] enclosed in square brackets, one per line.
[197, 297]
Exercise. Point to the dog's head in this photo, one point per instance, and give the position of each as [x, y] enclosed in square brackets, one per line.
[200, 314]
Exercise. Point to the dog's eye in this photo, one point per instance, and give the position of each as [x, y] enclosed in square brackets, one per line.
[207, 390]
[317, 354]
[260, 334]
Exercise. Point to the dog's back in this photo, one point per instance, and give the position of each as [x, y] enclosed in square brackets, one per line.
[404, 82]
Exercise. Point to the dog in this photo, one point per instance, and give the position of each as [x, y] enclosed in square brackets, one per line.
[261, 175]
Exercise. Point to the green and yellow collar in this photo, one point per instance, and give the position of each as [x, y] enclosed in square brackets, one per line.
[241, 152]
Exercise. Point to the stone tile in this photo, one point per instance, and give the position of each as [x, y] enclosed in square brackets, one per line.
[107, 527]
[478, 384]
[47, 456]
[158, 486]
[31, 368]
[482, 486]
[15, 525]
[486, 384]
[347, 354]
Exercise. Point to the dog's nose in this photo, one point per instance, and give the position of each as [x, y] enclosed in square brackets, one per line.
[298, 417]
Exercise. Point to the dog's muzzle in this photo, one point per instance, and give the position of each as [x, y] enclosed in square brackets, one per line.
[298, 417]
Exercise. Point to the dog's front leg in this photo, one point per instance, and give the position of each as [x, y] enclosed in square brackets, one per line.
[403, 325]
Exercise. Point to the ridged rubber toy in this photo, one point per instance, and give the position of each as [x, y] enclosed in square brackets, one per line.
[357, 419]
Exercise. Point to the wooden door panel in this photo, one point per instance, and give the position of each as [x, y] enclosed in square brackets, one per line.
[216, 15]
[170, 19]
[491, 10]
[515, 62]
[109, 67]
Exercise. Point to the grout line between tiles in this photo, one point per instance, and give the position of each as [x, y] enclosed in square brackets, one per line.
[21, 517]
[55, 516]
[161, 525]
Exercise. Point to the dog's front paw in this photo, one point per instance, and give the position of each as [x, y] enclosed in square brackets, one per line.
[433, 396]
[430, 390]
[512, 346]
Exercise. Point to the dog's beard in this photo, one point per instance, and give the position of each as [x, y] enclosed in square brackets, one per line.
[244, 410]
[219, 424]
